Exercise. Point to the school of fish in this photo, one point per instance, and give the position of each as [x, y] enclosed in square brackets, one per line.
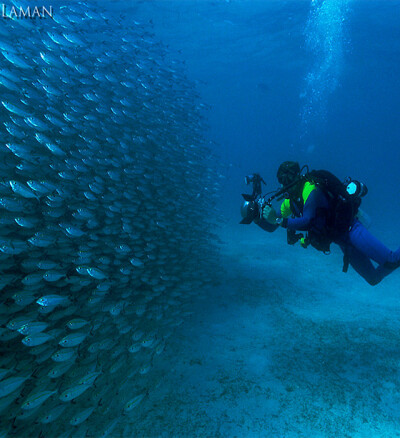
[106, 202]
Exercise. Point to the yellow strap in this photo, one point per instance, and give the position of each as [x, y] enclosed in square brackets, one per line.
[307, 189]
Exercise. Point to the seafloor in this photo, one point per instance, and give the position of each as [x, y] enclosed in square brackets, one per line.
[287, 346]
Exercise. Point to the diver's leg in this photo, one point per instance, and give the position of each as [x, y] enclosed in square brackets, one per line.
[362, 265]
[367, 244]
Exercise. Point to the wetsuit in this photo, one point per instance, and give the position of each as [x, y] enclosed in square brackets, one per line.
[358, 244]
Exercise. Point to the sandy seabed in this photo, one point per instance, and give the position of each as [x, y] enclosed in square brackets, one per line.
[286, 346]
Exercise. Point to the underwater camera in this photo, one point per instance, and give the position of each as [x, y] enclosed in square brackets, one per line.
[249, 210]
[253, 204]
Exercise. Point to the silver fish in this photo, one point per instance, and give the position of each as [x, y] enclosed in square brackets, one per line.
[31, 328]
[73, 339]
[53, 414]
[63, 355]
[52, 300]
[77, 323]
[11, 384]
[81, 416]
[36, 399]
[74, 392]
[36, 339]
[132, 403]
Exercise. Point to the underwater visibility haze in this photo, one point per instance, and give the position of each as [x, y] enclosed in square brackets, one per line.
[133, 303]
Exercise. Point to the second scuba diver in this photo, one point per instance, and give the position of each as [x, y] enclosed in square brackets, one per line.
[319, 204]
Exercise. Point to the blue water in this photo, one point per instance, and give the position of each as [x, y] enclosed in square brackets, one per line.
[311, 81]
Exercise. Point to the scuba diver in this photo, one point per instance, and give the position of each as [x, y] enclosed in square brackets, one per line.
[328, 211]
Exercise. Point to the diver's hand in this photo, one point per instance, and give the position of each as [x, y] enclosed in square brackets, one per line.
[269, 214]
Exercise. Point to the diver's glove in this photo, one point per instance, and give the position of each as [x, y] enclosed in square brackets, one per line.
[269, 214]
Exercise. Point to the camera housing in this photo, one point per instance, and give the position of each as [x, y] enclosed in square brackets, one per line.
[249, 210]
